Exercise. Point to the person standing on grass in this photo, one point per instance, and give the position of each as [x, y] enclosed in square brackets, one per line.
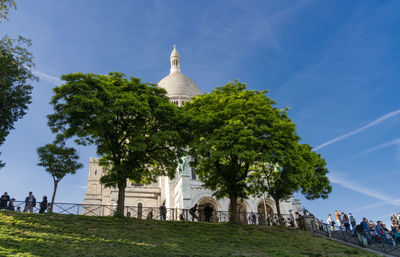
[4, 201]
[352, 221]
[43, 205]
[163, 212]
[30, 202]
[11, 205]
[208, 210]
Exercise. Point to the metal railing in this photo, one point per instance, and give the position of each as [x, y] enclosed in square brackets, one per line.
[375, 241]
[156, 213]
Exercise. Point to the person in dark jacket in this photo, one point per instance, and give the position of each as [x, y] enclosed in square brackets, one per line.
[4, 200]
[163, 212]
[11, 205]
[150, 215]
[364, 225]
[30, 202]
[208, 212]
[43, 205]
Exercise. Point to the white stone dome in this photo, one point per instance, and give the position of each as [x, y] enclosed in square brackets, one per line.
[178, 86]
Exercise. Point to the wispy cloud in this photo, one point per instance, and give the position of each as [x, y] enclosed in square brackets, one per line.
[81, 187]
[395, 142]
[48, 78]
[369, 207]
[354, 132]
[340, 179]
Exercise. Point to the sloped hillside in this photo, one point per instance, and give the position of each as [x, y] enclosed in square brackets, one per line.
[25, 234]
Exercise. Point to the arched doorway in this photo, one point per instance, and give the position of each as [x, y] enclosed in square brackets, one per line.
[261, 212]
[241, 211]
[202, 204]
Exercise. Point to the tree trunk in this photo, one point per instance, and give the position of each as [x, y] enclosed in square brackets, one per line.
[278, 209]
[265, 209]
[54, 194]
[233, 209]
[121, 198]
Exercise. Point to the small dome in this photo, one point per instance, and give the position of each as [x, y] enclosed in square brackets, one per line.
[178, 84]
[174, 53]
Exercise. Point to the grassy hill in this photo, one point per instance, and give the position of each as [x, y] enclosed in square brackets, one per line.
[23, 234]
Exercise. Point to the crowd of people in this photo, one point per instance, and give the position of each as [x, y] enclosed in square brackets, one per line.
[367, 232]
[8, 203]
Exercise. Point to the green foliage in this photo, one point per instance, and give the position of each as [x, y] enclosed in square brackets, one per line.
[134, 126]
[316, 183]
[242, 144]
[28, 235]
[296, 169]
[229, 127]
[58, 161]
[15, 92]
[5, 6]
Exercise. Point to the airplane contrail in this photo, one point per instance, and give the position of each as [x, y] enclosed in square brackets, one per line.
[375, 122]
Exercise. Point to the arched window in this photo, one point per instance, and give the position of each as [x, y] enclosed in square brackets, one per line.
[95, 172]
[128, 214]
[139, 210]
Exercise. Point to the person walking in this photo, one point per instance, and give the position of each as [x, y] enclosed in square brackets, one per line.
[193, 211]
[182, 215]
[208, 210]
[43, 205]
[30, 202]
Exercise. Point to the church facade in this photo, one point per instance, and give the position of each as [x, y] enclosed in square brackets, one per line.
[182, 192]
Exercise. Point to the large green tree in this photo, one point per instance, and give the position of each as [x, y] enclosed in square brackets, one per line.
[228, 127]
[295, 168]
[59, 161]
[134, 126]
[15, 90]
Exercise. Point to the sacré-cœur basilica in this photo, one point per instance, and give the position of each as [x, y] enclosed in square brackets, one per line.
[182, 192]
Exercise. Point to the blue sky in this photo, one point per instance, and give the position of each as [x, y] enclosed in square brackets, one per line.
[334, 63]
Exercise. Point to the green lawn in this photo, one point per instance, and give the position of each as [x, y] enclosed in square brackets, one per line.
[25, 234]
